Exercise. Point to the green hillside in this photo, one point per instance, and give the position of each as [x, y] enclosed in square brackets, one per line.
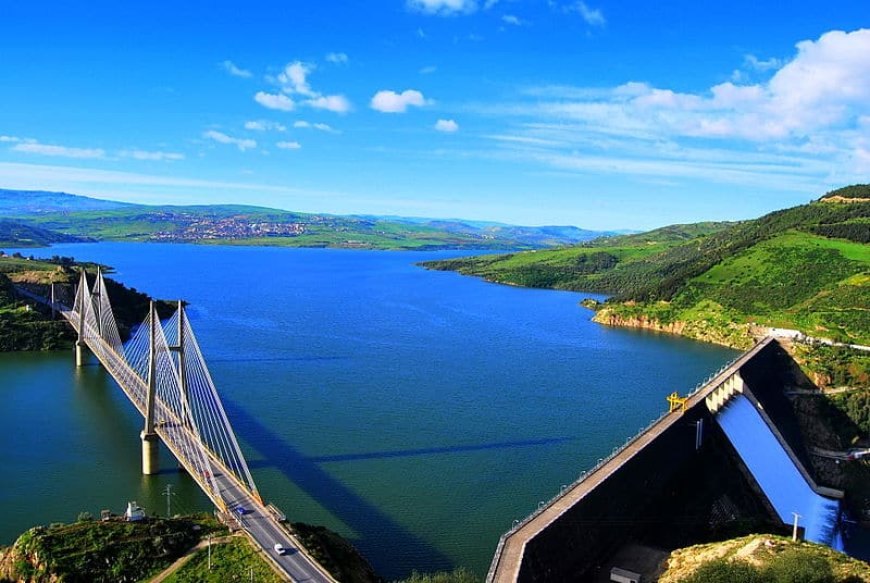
[806, 268]
[78, 216]
[18, 234]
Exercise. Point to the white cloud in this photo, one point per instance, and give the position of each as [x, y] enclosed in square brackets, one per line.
[152, 156]
[428, 70]
[274, 101]
[757, 64]
[264, 125]
[235, 71]
[592, 16]
[316, 126]
[446, 125]
[443, 7]
[289, 145]
[391, 102]
[337, 58]
[241, 143]
[807, 125]
[9, 139]
[511, 19]
[336, 103]
[34, 147]
[294, 79]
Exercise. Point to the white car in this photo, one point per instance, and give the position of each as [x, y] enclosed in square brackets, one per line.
[279, 548]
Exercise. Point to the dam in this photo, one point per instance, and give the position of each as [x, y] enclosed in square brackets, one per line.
[729, 461]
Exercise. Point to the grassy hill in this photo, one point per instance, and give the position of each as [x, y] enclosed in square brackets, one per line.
[248, 225]
[806, 268]
[18, 234]
[763, 559]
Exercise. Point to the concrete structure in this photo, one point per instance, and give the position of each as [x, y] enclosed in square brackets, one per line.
[675, 474]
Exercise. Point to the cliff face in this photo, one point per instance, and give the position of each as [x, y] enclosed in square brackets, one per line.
[731, 334]
[22, 564]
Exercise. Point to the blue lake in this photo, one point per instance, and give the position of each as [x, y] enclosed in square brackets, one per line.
[417, 413]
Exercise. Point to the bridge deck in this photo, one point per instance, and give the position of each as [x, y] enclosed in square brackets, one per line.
[509, 556]
[224, 489]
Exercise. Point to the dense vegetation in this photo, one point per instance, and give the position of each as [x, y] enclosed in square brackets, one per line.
[459, 575]
[807, 268]
[763, 559]
[26, 325]
[91, 551]
[335, 554]
[854, 191]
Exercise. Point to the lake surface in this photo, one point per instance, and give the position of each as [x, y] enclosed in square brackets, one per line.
[417, 413]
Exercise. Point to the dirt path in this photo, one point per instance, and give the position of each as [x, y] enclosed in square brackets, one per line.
[182, 560]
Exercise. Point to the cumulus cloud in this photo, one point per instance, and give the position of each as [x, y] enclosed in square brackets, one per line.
[388, 101]
[221, 138]
[446, 125]
[294, 78]
[511, 19]
[35, 147]
[289, 145]
[443, 7]
[592, 16]
[274, 101]
[156, 156]
[336, 103]
[264, 125]
[235, 71]
[337, 58]
[9, 139]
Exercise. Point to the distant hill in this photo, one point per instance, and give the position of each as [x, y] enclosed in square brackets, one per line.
[17, 234]
[806, 267]
[25, 202]
[249, 225]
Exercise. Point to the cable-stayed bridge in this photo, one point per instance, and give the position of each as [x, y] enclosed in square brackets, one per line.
[162, 371]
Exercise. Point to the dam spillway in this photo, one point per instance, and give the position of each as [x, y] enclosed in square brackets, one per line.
[678, 482]
[773, 469]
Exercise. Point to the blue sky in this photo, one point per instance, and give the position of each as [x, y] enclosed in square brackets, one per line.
[600, 114]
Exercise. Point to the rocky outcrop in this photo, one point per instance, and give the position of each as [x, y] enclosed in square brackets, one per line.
[729, 334]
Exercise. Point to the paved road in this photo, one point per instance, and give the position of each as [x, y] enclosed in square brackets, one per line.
[266, 531]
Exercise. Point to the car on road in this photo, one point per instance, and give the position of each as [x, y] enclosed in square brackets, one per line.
[241, 510]
[279, 548]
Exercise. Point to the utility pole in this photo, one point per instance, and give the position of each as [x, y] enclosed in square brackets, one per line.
[794, 531]
[169, 494]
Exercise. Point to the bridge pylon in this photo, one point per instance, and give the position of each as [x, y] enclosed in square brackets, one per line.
[81, 298]
[150, 440]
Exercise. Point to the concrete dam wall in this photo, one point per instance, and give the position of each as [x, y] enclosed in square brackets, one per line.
[679, 482]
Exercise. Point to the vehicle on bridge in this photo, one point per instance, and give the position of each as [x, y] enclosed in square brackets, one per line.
[279, 548]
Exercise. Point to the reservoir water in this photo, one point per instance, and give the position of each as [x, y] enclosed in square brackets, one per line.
[417, 413]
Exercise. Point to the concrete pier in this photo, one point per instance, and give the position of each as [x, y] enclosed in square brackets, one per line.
[80, 353]
[150, 450]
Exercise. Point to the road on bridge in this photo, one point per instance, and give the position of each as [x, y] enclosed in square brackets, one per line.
[265, 530]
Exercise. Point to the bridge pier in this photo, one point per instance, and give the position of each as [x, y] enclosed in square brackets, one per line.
[150, 450]
[80, 353]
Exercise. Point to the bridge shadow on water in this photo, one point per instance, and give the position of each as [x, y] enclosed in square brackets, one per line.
[436, 450]
[392, 549]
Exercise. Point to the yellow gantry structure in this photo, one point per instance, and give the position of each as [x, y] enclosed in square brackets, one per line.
[677, 403]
